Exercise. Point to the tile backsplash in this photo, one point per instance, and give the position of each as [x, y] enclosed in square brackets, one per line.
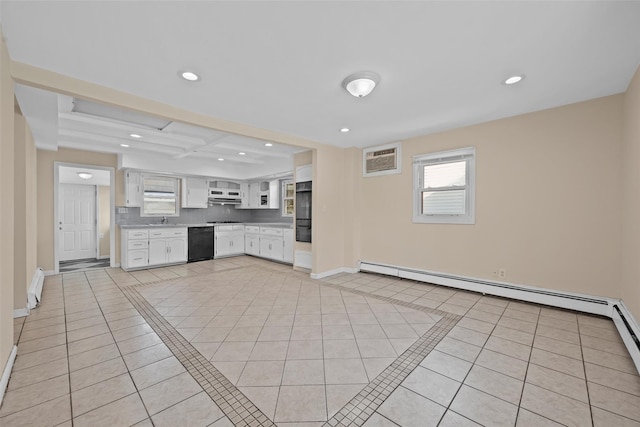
[199, 216]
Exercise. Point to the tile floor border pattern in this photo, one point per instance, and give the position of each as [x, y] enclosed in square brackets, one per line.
[235, 405]
[372, 396]
[241, 411]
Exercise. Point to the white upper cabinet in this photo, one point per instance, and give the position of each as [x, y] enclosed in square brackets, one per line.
[304, 173]
[132, 189]
[194, 193]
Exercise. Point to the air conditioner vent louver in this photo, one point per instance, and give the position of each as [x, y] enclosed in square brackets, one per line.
[381, 160]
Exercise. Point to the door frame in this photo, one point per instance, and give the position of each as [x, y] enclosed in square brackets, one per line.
[112, 219]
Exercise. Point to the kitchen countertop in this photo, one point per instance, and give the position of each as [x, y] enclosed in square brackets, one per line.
[259, 224]
[270, 224]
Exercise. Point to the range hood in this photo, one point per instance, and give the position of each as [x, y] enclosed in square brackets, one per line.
[224, 195]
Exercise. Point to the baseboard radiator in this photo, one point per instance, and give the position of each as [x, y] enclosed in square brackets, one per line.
[612, 308]
[34, 293]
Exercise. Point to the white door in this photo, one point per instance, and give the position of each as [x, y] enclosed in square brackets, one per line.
[77, 221]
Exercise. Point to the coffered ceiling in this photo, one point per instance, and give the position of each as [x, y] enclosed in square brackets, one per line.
[279, 65]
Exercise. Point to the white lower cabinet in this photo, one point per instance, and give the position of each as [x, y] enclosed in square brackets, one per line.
[151, 248]
[228, 240]
[271, 247]
[274, 243]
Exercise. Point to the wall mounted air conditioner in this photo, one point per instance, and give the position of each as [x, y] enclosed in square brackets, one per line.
[381, 160]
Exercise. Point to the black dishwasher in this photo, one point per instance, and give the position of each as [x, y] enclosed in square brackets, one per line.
[200, 243]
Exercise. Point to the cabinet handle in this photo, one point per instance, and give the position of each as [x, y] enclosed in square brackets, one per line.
[269, 246]
[137, 259]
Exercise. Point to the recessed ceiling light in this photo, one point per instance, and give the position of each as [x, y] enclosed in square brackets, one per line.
[124, 145]
[241, 153]
[135, 135]
[85, 175]
[221, 159]
[268, 144]
[344, 130]
[513, 80]
[189, 75]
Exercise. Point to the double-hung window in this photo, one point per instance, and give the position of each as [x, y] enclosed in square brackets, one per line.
[444, 187]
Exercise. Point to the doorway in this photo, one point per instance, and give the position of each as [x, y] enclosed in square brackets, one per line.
[84, 220]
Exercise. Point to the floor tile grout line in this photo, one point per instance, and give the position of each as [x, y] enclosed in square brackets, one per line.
[137, 391]
[135, 299]
[420, 308]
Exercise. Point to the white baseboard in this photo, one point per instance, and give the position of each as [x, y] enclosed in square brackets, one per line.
[6, 373]
[629, 331]
[20, 312]
[34, 293]
[103, 257]
[569, 300]
[626, 324]
[332, 272]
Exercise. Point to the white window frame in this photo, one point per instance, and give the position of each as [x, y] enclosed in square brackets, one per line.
[144, 213]
[420, 161]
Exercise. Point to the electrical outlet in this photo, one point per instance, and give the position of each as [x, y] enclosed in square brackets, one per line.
[494, 273]
[502, 273]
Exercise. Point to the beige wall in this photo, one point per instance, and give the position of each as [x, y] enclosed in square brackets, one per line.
[46, 160]
[6, 206]
[25, 208]
[104, 220]
[352, 204]
[631, 200]
[328, 217]
[547, 202]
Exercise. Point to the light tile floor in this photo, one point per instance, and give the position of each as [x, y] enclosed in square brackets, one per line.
[243, 341]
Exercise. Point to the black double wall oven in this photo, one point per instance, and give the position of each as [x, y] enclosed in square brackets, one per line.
[303, 211]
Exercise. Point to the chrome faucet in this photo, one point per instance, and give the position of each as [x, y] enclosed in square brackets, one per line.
[164, 220]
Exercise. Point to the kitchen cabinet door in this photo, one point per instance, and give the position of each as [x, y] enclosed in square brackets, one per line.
[237, 243]
[157, 251]
[222, 245]
[244, 194]
[177, 250]
[252, 244]
[194, 193]
[271, 247]
[133, 189]
[254, 195]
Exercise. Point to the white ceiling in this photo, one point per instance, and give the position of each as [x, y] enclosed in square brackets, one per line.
[279, 65]
[69, 175]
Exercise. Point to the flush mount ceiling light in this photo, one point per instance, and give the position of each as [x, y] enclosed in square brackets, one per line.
[344, 130]
[221, 159]
[124, 145]
[268, 144]
[242, 153]
[135, 135]
[513, 80]
[189, 75]
[85, 175]
[361, 84]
